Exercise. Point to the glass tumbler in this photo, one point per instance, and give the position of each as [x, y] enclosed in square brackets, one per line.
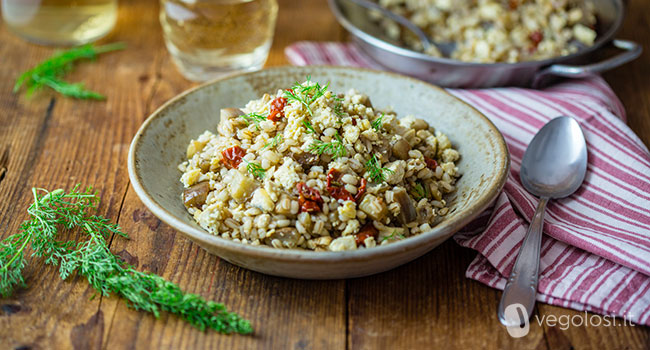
[210, 38]
[60, 22]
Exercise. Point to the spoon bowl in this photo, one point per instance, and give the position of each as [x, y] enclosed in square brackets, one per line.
[554, 166]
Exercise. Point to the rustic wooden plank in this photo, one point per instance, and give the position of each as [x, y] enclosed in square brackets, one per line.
[58, 142]
[286, 313]
[599, 333]
[302, 20]
[428, 303]
[423, 304]
[630, 82]
[439, 307]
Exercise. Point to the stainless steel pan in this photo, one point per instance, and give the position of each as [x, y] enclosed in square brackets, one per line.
[453, 73]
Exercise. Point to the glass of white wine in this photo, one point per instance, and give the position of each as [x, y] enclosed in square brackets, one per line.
[210, 38]
[60, 22]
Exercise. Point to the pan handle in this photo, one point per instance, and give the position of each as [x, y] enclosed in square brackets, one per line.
[631, 51]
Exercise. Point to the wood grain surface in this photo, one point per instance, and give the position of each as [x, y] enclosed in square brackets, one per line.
[50, 141]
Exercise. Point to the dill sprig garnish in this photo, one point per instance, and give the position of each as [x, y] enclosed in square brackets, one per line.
[308, 126]
[393, 236]
[375, 171]
[418, 191]
[335, 148]
[306, 93]
[378, 123]
[255, 169]
[338, 107]
[275, 141]
[50, 72]
[253, 118]
[92, 259]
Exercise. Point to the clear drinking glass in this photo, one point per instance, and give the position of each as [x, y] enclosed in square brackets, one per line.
[209, 38]
[60, 22]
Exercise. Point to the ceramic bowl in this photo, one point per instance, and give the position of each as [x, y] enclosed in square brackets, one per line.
[160, 144]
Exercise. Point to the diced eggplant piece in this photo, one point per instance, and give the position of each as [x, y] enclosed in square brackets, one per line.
[306, 160]
[196, 195]
[407, 211]
[288, 236]
[420, 124]
[227, 113]
[401, 149]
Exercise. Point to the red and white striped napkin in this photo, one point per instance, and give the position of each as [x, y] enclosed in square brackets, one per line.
[596, 251]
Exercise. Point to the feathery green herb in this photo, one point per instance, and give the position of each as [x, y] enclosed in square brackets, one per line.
[51, 71]
[275, 141]
[419, 191]
[393, 236]
[335, 148]
[255, 169]
[253, 118]
[375, 171]
[338, 107]
[56, 212]
[306, 93]
[308, 126]
[378, 123]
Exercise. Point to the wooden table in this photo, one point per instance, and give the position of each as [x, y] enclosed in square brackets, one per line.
[50, 141]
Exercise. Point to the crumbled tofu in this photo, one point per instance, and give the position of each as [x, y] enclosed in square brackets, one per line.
[240, 186]
[450, 155]
[262, 200]
[343, 243]
[286, 175]
[348, 210]
[396, 173]
[374, 207]
[191, 177]
[584, 34]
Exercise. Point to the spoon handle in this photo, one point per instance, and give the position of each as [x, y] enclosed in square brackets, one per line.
[521, 287]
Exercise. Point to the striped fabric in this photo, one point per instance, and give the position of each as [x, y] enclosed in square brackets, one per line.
[596, 251]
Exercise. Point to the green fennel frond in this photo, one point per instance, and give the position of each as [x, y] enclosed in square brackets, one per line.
[255, 169]
[253, 118]
[275, 141]
[308, 126]
[375, 171]
[57, 211]
[335, 148]
[49, 72]
[378, 123]
[306, 93]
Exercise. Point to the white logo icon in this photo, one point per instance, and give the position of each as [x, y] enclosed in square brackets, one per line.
[517, 318]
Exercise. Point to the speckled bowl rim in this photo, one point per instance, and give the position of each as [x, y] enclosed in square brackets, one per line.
[444, 229]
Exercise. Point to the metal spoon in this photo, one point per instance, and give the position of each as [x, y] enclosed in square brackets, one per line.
[444, 48]
[554, 166]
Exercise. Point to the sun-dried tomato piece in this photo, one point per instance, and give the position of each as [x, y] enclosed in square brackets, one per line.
[340, 193]
[431, 163]
[536, 37]
[368, 230]
[333, 177]
[233, 156]
[361, 191]
[335, 188]
[309, 198]
[276, 112]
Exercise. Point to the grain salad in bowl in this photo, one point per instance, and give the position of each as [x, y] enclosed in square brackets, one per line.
[308, 168]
